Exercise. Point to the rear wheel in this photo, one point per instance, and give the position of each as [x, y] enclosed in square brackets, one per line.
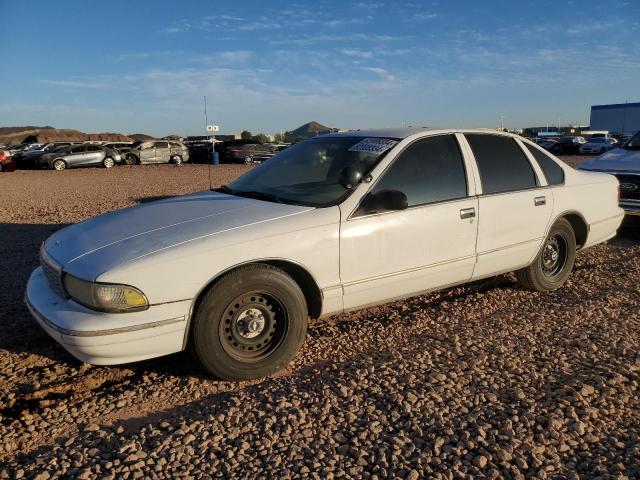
[108, 162]
[248, 160]
[59, 165]
[177, 160]
[554, 263]
[250, 323]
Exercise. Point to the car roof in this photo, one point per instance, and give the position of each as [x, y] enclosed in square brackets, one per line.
[409, 131]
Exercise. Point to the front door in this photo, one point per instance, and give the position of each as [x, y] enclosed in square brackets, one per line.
[163, 155]
[431, 244]
[147, 153]
[515, 206]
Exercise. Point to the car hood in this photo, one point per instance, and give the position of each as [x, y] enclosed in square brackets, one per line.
[94, 246]
[618, 159]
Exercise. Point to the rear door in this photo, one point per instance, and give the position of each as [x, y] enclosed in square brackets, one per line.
[76, 156]
[515, 204]
[430, 244]
[94, 155]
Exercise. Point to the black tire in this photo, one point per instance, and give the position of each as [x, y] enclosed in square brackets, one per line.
[554, 262]
[233, 342]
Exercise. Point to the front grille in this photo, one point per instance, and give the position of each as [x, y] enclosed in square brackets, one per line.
[629, 181]
[53, 274]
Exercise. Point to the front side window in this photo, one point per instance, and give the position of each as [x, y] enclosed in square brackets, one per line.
[502, 164]
[310, 172]
[552, 171]
[427, 171]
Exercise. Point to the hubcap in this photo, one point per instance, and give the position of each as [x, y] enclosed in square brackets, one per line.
[108, 163]
[253, 326]
[554, 255]
[250, 323]
[58, 165]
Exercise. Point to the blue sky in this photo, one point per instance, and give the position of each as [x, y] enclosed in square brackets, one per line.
[134, 66]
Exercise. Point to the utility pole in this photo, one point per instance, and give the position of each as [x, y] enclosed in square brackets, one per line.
[206, 120]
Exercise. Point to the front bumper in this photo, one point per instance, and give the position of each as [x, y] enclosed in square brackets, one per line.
[630, 207]
[107, 338]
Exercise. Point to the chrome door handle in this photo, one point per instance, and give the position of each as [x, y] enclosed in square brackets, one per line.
[467, 213]
[540, 201]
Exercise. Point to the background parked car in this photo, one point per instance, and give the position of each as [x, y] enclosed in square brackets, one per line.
[159, 151]
[85, 155]
[244, 151]
[122, 147]
[31, 158]
[548, 144]
[598, 145]
[568, 145]
[6, 162]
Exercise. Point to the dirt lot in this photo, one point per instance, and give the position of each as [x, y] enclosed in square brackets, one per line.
[485, 381]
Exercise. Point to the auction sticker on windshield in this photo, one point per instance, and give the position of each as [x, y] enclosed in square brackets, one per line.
[373, 145]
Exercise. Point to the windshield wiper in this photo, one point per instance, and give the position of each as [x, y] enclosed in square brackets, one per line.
[223, 189]
[258, 196]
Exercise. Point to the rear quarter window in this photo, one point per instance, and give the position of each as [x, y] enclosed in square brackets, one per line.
[552, 171]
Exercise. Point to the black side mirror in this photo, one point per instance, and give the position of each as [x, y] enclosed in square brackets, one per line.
[382, 201]
[350, 177]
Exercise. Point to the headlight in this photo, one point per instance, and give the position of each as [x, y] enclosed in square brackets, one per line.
[105, 297]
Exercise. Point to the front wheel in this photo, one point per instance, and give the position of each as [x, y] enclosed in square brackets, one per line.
[177, 160]
[250, 323]
[554, 263]
[108, 162]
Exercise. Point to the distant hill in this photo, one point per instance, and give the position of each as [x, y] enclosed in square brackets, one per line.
[310, 129]
[33, 134]
[140, 137]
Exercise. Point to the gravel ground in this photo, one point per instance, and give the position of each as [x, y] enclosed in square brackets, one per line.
[481, 381]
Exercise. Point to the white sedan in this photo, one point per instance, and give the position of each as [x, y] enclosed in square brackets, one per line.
[598, 145]
[335, 223]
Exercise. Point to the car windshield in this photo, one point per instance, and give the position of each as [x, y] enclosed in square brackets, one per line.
[597, 140]
[309, 172]
[634, 143]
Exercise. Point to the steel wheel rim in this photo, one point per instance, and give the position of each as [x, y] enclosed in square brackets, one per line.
[253, 326]
[554, 255]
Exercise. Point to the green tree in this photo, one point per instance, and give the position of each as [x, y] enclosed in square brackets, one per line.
[262, 138]
[245, 135]
[278, 137]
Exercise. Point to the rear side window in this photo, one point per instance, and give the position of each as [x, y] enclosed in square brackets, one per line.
[552, 171]
[162, 145]
[427, 171]
[503, 165]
